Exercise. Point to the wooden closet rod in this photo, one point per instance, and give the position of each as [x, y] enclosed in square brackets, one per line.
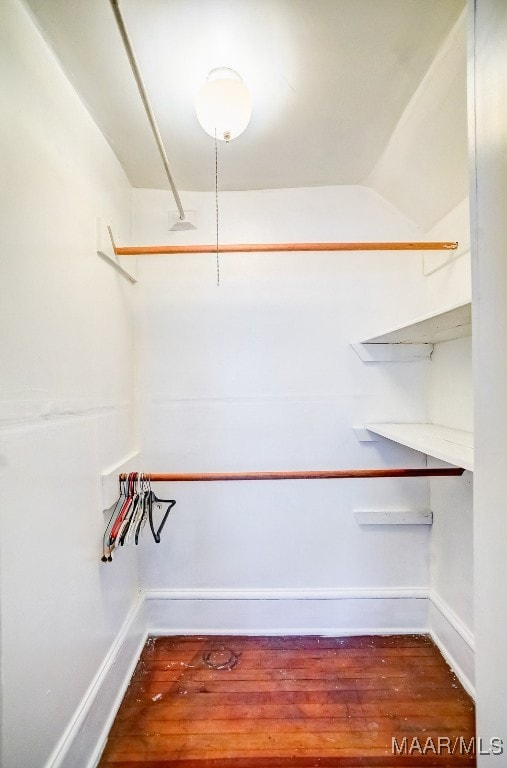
[333, 474]
[147, 250]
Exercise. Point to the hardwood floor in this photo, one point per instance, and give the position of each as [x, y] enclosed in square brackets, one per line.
[275, 702]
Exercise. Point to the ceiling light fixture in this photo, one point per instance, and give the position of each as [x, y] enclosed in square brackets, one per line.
[223, 104]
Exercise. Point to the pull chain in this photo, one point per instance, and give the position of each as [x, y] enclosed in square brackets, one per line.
[216, 206]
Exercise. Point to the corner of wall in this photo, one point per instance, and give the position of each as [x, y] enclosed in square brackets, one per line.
[454, 640]
[84, 738]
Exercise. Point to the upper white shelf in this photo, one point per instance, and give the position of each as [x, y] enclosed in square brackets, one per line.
[455, 446]
[414, 340]
[455, 322]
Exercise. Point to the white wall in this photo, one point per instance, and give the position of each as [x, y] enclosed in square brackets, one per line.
[424, 172]
[450, 402]
[451, 614]
[258, 374]
[66, 398]
[488, 139]
[449, 275]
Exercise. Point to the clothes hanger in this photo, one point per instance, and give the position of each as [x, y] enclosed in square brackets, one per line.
[135, 506]
[125, 508]
[115, 511]
[154, 501]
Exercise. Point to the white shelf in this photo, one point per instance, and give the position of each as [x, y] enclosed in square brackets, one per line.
[415, 340]
[455, 322]
[454, 446]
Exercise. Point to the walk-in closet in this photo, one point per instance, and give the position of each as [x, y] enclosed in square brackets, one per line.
[254, 284]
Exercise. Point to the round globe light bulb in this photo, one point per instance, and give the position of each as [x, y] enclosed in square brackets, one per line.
[223, 105]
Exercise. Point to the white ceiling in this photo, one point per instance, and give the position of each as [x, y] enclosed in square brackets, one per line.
[330, 80]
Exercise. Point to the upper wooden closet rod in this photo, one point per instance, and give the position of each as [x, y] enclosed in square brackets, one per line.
[185, 477]
[145, 250]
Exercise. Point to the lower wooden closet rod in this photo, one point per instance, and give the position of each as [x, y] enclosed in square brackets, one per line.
[333, 474]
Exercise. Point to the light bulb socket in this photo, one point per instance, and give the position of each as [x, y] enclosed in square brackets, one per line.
[223, 105]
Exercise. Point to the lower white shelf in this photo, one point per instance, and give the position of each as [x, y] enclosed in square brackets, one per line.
[455, 446]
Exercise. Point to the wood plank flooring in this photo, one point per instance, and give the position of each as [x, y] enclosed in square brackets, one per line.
[298, 702]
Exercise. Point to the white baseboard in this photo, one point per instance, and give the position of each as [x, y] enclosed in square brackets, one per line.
[334, 612]
[287, 594]
[454, 640]
[83, 740]
[287, 611]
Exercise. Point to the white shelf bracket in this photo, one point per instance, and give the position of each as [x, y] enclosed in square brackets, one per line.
[364, 435]
[392, 353]
[393, 517]
[106, 250]
[110, 481]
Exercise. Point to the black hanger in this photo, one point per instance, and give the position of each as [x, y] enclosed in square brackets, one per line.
[154, 500]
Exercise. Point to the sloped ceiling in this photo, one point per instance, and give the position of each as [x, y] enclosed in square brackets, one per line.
[424, 168]
[330, 81]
